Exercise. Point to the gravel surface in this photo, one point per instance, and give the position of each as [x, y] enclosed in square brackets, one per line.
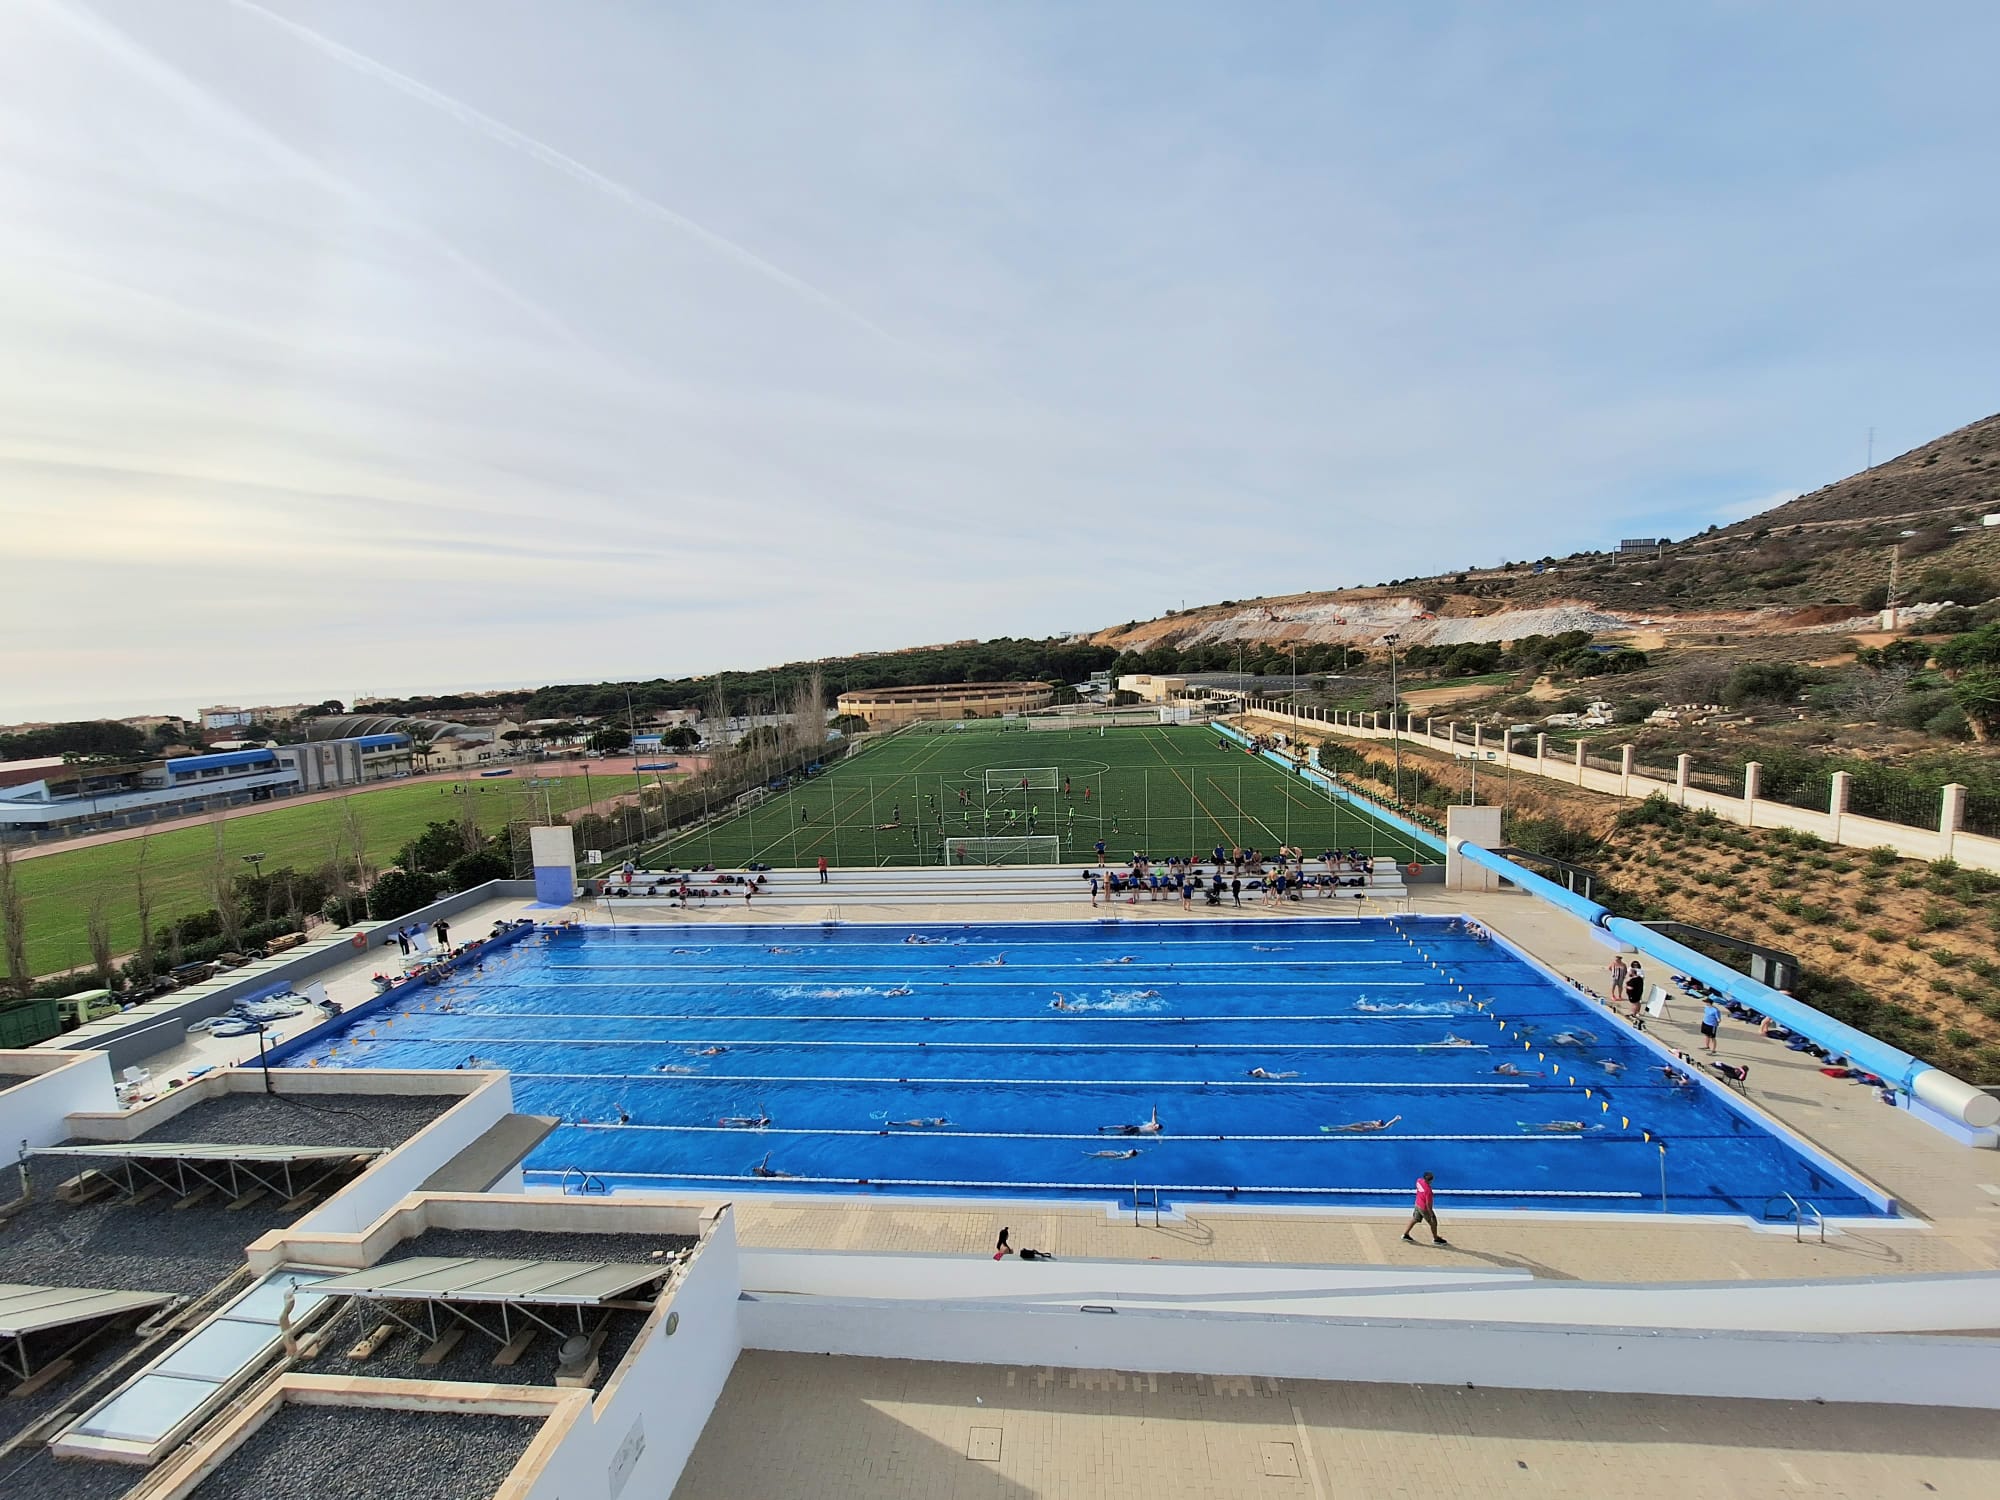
[39, 1475]
[529, 1244]
[144, 1248]
[305, 1120]
[471, 1361]
[371, 1453]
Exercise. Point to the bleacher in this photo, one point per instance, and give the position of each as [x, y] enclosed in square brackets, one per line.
[652, 890]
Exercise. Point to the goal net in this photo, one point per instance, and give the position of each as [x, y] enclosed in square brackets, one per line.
[1023, 849]
[1022, 779]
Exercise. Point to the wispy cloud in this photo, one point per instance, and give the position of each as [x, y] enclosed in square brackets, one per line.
[364, 345]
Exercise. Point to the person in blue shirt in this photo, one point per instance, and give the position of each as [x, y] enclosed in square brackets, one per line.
[1711, 1018]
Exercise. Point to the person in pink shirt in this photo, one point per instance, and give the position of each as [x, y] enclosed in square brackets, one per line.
[1425, 1213]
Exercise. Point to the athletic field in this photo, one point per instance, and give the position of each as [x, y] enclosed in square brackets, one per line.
[180, 863]
[1162, 790]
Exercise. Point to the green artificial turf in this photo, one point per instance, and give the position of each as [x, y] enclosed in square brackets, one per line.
[1156, 790]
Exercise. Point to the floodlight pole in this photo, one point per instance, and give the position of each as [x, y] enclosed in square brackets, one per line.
[1395, 716]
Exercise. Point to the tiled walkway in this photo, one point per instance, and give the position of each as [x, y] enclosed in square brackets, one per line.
[806, 1425]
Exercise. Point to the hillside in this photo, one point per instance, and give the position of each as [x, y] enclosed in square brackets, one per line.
[1807, 567]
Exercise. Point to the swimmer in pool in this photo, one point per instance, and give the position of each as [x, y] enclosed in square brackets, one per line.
[1555, 1127]
[745, 1122]
[1513, 1072]
[1573, 1038]
[1150, 1126]
[674, 1068]
[931, 1124]
[781, 950]
[1451, 1039]
[1611, 1065]
[1114, 1155]
[898, 992]
[1360, 1127]
[1125, 960]
[765, 1169]
[1059, 1003]
[623, 1117]
[1266, 1073]
[708, 1052]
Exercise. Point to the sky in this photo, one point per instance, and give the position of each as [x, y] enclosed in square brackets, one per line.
[352, 347]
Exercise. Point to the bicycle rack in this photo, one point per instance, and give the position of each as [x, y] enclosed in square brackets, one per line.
[1797, 1217]
[1139, 1193]
[589, 1182]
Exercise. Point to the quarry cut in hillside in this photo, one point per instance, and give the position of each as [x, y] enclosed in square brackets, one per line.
[1362, 621]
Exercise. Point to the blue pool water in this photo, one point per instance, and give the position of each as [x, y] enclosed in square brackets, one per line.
[838, 1032]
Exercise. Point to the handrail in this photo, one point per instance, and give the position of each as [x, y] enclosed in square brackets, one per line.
[1136, 1192]
[583, 1187]
[1797, 1217]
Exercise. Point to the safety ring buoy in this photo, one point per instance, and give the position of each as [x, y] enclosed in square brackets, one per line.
[1415, 868]
[359, 940]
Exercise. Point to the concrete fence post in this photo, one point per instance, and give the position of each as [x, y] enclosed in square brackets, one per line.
[1951, 818]
[1836, 800]
[1430, 729]
[1753, 783]
[1541, 752]
[1624, 770]
[1579, 762]
[1478, 736]
[1683, 766]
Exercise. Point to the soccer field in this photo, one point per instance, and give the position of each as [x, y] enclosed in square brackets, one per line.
[58, 889]
[1163, 790]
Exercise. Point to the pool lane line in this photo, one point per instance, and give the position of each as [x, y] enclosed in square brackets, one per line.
[1055, 968]
[926, 1046]
[656, 1076]
[1053, 1019]
[1527, 1137]
[1398, 1192]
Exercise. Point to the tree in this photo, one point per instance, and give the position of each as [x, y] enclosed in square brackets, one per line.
[685, 737]
[400, 892]
[608, 738]
[142, 898]
[421, 741]
[97, 931]
[14, 925]
[432, 850]
[1977, 694]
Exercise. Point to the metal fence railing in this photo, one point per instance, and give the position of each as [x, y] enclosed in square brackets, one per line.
[1982, 813]
[1808, 790]
[1894, 802]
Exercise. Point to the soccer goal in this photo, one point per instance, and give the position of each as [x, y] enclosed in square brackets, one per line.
[1022, 849]
[1023, 779]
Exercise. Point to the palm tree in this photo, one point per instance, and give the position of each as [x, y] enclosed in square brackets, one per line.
[420, 748]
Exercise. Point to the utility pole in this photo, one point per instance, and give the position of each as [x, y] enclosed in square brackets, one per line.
[1395, 716]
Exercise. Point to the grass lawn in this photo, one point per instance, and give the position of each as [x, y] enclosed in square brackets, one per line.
[59, 888]
[1158, 790]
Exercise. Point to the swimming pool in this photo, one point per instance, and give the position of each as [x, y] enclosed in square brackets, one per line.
[1516, 1090]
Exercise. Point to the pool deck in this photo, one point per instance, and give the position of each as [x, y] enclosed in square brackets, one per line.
[1952, 1191]
[871, 1429]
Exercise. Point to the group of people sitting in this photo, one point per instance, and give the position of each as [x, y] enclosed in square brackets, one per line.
[679, 886]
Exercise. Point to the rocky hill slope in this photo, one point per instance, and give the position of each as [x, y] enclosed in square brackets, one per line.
[1809, 565]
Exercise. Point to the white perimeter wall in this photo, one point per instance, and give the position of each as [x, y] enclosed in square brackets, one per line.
[389, 1179]
[1904, 1370]
[662, 1400]
[37, 1111]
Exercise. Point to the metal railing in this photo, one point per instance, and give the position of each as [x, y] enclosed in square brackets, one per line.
[588, 1182]
[1797, 1217]
[1140, 1193]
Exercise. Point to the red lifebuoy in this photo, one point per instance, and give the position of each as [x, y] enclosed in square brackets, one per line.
[359, 940]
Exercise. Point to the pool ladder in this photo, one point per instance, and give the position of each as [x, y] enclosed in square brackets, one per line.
[1141, 1195]
[1797, 1217]
[588, 1182]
